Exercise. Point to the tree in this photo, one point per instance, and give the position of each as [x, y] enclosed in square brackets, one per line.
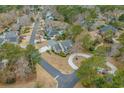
[19, 59]
[121, 38]
[87, 71]
[32, 56]
[102, 51]
[87, 42]
[118, 80]
[71, 33]
[107, 36]
[69, 12]
[74, 31]
[121, 18]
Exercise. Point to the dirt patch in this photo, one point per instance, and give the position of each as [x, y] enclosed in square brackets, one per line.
[61, 63]
[44, 78]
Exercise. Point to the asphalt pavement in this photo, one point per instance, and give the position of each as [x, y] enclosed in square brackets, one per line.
[64, 81]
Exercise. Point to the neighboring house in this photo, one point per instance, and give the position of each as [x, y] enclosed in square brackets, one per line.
[61, 46]
[96, 25]
[55, 28]
[12, 37]
[49, 16]
[107, 28]
[52, 32]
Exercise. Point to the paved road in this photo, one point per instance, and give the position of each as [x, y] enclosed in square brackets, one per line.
[35, 26]
[64, 81]
[50, 69]
[67, 81]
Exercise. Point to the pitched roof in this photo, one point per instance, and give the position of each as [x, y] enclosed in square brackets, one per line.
[49, 16]
[107, 28]
[63, 46]
[11, 36]
[52, 42]
[57, 47]
[51, 31]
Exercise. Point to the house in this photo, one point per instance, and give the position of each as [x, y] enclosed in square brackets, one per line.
[51, 32]
[60, 46]
[107, 28]
[49, 16]
[55, 28]
[12, 37]
[96, 25]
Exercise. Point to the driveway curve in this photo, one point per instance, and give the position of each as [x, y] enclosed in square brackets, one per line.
[72, 56]
[113, 68]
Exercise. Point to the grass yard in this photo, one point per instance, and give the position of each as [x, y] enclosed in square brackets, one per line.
[44, 78]
[61, 63]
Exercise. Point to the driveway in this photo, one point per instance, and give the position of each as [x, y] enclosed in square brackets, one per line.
[64, 81]
[72, 56]
[113, 68]
[44, 49]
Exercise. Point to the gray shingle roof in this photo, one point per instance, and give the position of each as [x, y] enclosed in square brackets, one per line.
[52, 42]
[62, 46]
[11, 36]
[67, 44]
[51, 31]
[57, 48]
[107, 28]
[49, 16]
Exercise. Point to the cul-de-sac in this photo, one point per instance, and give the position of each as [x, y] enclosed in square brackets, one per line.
[61, 46]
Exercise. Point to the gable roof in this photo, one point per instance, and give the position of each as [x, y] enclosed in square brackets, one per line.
[62, 46]
[51, 31]
[11, 36]
[49, 16]
[52, 42]
[107, 28]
